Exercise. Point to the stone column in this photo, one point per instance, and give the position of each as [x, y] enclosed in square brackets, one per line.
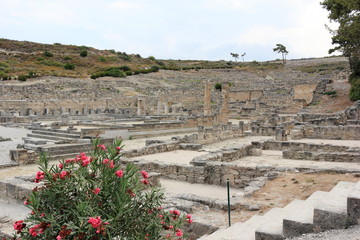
[166, 108]
[224, 110]
[141, 107]
[201, 132]
[207, 99]
[159, 107]
[280, 134]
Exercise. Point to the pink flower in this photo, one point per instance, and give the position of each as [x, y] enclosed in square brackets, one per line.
[111, 164]
[85, 162]
[19, 225]
[145, 174]
[178, 232]
[145, 181]
[39, 176]
[102, 147]
[42, 215]
[26, 202]
[175, 212]
[95, 222]
[106, 161]
[118, 148]
[189, 218]
[61, 166]
[119, 173]
[33, 231]
[58, 237]
[96, 191]
[63, 174]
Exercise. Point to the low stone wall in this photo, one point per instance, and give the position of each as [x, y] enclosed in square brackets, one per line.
[226, 155]
[219, 133]
[322, 156]
[23, 156]
[298, 146]
[152, 149]
[215, 173]
[347, 132]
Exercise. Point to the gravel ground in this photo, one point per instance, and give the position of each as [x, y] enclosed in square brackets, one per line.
[352, 233]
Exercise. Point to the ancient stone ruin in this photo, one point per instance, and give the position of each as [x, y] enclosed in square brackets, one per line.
[257, 128]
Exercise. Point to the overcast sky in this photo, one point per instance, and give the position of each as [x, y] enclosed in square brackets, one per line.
[173, 29]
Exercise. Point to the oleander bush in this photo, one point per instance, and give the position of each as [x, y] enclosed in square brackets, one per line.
[95, 197]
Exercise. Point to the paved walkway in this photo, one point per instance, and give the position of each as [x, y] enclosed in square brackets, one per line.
[16, 135]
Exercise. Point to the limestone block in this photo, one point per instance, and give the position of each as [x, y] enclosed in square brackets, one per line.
[256, 152]
[200, 180]
[181, 177]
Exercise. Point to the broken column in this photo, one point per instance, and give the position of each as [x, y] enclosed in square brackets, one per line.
[280, 134]
[141, 108]
[224, 110]
[207, 99]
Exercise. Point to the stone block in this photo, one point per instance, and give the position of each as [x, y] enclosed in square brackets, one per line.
[256, 152]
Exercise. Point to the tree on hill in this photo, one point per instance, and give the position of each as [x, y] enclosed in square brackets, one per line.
[347, 37]
[281, 49]
[235, 56]
[243, 55]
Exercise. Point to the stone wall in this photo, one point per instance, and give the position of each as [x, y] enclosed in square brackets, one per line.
[298, 146]
[322, 156]
[347, 132]
[219, 133]
[215, 173]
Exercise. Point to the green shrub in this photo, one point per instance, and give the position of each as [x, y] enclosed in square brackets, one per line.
[160, 63]
[83, 53]
[69, 66]
[125, 68]
[330, 93]
[22, 78]
[96, 197]
[154, 68]
[115, 72]
[355, 90]
[128, 73]
[48, 54]
[152, 58]
[124, 56]
[218, 86]
[102, 59]
[67, 58]
[32, 74]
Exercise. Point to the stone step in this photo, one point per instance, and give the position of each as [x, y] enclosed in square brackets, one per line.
[331, 212]
[64, 156]
[61, 150]
[56, 138]
[16, 189]
[353, 205]
[221, 233]
[59, 134]
[9, 213]
[36, 141]
[273, 229]
[301, 221]
[246, 230]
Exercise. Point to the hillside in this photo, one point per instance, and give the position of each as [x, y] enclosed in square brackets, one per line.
[36, 59]
[44, 67]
